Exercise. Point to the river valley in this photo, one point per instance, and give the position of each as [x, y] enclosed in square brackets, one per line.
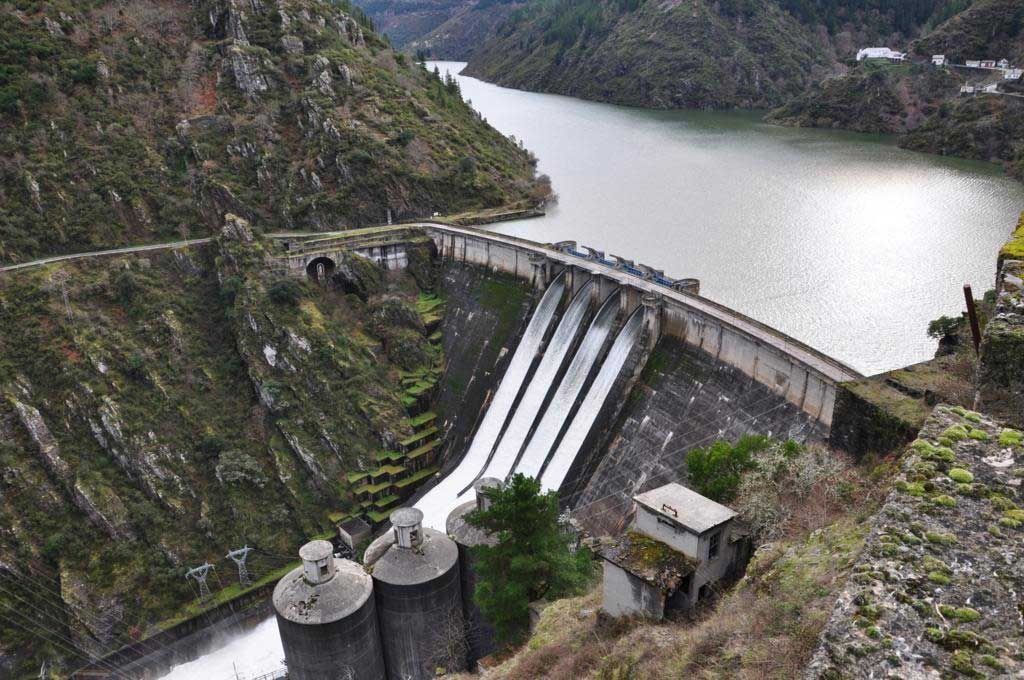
[843, 241]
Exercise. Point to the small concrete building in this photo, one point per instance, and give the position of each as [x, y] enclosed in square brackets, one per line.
[355, 533]
[1003, 63]
[681, 543]
[988, 63]
[938, 60]
[973, 63]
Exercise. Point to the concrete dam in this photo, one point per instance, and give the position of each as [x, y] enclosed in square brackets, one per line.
[618, 371]
[596, 377]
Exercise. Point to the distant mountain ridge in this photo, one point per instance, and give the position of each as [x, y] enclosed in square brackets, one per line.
[689, 53]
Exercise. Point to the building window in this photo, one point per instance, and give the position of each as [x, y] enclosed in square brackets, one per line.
[713, 543]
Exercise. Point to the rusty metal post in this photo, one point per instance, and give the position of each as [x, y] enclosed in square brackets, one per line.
[972, 315]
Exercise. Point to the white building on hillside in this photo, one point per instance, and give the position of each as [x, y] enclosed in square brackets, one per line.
[880, 53]
[938, 60]
[680, 545]
[1013, 74]
[1003, 64]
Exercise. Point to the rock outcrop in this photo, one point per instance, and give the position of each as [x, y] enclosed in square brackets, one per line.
[939, 588]
[1001, 362]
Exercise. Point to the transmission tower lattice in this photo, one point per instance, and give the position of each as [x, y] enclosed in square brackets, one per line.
[199, 575]
[238, 557]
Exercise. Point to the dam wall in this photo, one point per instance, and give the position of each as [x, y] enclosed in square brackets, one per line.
[800, 374]
[683, 399]
[486, 314]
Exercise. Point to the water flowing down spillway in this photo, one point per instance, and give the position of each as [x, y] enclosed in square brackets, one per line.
[543, 380]
[562, 403]
[558, 467]
[442, 499]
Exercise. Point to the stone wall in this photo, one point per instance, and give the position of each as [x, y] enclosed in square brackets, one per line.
[873, 417]
[939, 589]
[1001, 363]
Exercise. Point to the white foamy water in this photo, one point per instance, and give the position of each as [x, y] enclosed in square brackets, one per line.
[243, 657]
[540, 386]
[564, 456]
[554, 418]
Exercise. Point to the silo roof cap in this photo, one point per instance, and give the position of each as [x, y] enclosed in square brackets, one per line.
[314, 551]
[407, 517]
[486, 483]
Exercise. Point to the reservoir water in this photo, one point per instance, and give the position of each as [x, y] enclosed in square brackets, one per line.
[844, 241]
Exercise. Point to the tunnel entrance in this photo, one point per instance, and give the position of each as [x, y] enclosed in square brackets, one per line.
[320, 269]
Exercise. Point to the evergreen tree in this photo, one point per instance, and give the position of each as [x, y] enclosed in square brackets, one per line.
[532, 559]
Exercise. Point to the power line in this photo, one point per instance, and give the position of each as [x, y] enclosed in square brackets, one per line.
[66, 644]
[86, 619]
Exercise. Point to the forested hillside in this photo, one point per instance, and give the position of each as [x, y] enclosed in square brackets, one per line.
[693, 53]
[923, 103]
[123, 123]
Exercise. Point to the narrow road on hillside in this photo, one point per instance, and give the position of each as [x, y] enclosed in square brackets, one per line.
[99, 253]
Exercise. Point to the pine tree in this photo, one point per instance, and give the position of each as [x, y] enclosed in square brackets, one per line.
[532, 559]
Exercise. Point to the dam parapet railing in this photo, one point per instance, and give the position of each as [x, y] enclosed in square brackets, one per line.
[805, 376]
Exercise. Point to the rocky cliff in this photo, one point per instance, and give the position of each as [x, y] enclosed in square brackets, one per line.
[936, 592]
[125, 123]
[159, 410]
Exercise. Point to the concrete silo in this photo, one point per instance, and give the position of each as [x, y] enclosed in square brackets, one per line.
[419, 599]
[480, 637]
[327, 617]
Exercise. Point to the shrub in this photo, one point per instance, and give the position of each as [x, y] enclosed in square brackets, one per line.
[285, 292]
[945, 327]
[124, 287]
[716, 471]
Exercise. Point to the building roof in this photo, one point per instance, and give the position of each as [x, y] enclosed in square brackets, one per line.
[879, 53]
[464, 533]
[685, 507]
[647, 559]
[300, 602]
[434, 557]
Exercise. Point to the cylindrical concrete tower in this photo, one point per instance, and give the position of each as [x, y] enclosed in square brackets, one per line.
[480, 635]
[327, 617]
[419, 600]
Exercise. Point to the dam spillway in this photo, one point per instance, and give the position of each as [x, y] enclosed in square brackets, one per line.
[515, 435]
[564, 399]
[442, 499]
[556, 469]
